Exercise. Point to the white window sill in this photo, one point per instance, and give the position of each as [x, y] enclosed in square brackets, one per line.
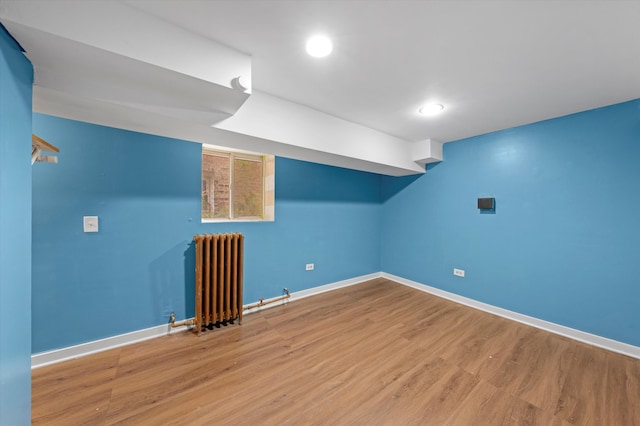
[235, 220]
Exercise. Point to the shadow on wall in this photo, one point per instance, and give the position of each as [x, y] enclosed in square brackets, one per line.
[305, 181]
[189, 280]
[171, 282]
[393, 186]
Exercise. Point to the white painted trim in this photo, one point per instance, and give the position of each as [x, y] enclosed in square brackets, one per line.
[58, 355]
[235, 220]
[581, 336]
[64, 354]
[55, 356]
[329, 287]
[316, 290]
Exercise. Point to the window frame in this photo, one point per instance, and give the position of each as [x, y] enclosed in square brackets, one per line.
[268, 183]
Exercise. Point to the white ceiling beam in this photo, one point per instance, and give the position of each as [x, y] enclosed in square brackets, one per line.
[51, 102]
[426, 151]
[121, 29]
[269, 117]
[108, 63]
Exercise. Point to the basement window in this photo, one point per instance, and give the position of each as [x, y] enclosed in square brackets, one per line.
[236, 185]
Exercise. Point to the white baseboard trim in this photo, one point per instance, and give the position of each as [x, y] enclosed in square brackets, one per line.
[581, 336]
[334, 286]
[316, 290]
[55, 356]
[64, 354]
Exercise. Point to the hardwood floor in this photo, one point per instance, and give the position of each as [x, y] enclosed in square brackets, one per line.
[377, 353]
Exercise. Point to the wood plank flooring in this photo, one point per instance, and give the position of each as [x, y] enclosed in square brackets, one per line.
[377, 353]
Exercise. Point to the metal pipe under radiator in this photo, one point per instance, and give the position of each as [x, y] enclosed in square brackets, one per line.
[274, 300]
[259, 304]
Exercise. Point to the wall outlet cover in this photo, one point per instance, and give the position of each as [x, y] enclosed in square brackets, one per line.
[90, 223]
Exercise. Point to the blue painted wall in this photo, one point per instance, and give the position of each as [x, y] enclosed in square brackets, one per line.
[564, 240]
[558, 246]
[146, 191]
[16, 78]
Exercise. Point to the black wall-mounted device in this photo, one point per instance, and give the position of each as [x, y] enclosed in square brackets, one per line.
[486, 203]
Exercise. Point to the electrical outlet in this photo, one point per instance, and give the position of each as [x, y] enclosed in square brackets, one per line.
[309, 267]
[458, 272]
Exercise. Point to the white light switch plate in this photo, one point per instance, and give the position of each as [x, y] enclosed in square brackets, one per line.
[90, 223]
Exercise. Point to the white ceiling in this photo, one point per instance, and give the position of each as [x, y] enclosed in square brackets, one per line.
[493, 64]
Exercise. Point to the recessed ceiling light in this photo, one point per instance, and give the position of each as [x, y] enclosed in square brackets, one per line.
[431, 109]
[319, 46]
